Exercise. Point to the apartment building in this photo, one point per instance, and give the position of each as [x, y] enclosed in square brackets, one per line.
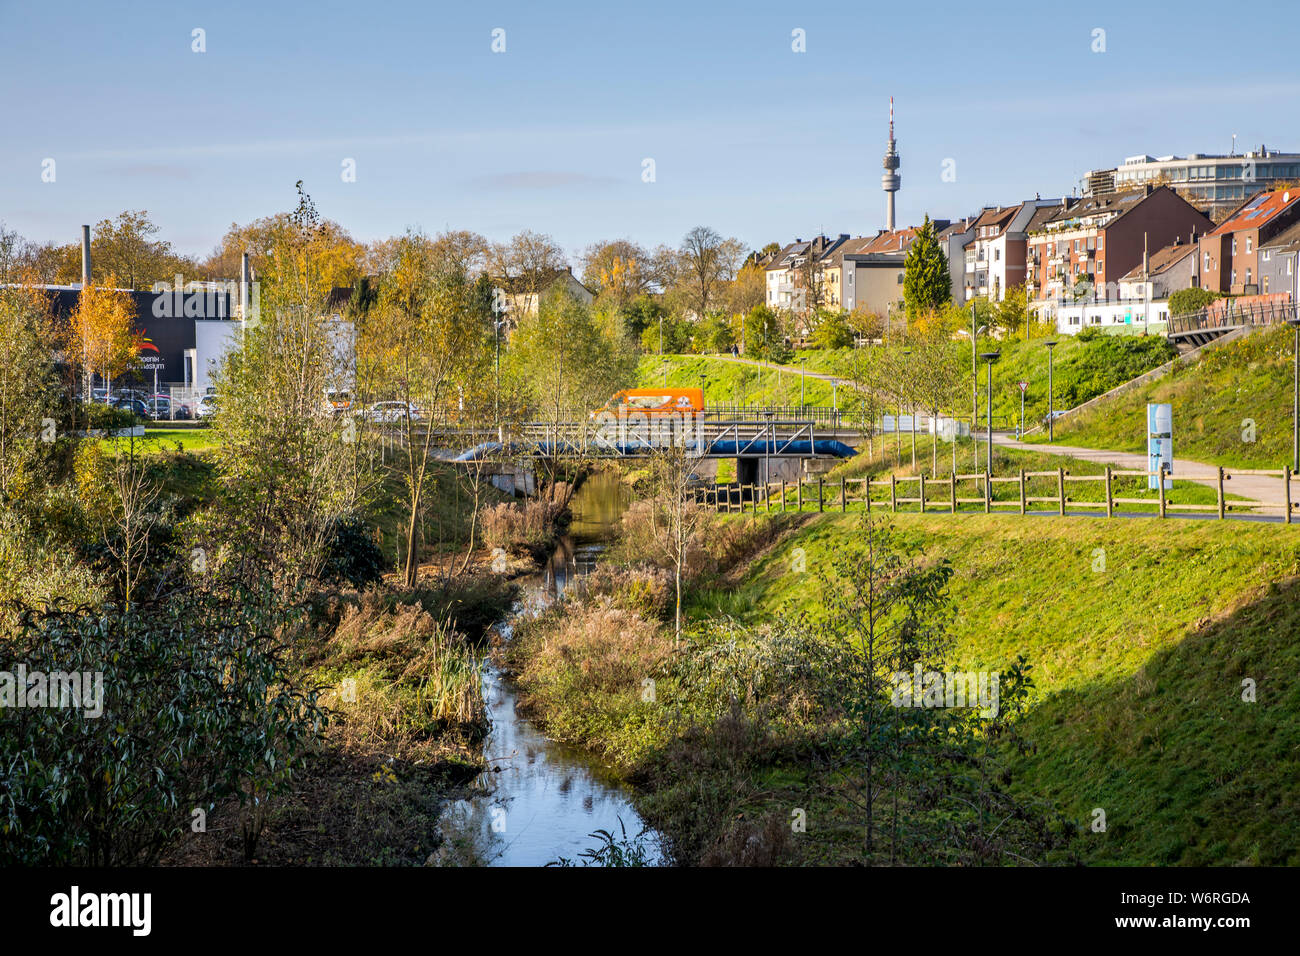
[1090, 243]
[994, 258]
[796, 276]
[516, 299]
[1279, 264]
[1216, 184]
[1230, 254]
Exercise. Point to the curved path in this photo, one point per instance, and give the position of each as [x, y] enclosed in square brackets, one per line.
[1259, 489]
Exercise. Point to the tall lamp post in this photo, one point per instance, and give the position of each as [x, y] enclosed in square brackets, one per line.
[802, 359]
[990, 358]
[1051, 411]
[1295, 397]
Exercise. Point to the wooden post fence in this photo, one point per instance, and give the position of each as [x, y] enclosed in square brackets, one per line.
[1286, 479]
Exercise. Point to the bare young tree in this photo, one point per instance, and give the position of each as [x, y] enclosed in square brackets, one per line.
[707, 263]
[526, 265]
[677, 517]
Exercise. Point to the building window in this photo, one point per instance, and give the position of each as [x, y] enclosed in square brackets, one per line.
[1268, 253]
[1247, 277]
[1234, 245]
[1248, 244]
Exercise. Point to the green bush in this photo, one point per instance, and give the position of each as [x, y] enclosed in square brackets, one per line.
[351, 554]
[98, 416]
[196, 706]
[1185, 301]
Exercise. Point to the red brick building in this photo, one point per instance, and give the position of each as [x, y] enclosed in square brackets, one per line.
[1229, 256]
[1101, 238]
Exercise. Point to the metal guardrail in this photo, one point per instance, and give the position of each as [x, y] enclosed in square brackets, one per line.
[821, 414]
[1232, 316]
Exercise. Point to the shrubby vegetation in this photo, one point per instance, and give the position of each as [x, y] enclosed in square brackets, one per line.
[288, 627]
[709, 724]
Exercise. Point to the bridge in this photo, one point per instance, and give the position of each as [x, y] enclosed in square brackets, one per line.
[1229, 315]
[743, 440]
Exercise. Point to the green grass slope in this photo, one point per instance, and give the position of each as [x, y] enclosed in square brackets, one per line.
[1140, 633]
[1215, 401]
[1083, 368]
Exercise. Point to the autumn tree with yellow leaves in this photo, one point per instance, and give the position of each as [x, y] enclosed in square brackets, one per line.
[101, 336]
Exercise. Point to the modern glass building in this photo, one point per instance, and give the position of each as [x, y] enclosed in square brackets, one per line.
[1215, 183]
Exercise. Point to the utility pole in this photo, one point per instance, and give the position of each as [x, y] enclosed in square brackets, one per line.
[974, 368]
[990, 357]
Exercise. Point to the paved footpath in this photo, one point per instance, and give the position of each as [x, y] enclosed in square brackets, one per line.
[1256, 488]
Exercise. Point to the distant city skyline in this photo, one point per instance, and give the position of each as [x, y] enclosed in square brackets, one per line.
[746, 135]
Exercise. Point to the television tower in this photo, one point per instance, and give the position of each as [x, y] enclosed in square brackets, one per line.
[890, 181]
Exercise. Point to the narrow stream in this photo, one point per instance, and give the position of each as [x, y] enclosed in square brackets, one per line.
[539, 799]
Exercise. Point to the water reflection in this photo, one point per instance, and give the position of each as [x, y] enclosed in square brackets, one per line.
[540, 799]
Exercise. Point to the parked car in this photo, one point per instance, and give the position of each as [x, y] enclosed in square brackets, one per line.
[387, 413]
[133, 405]
[160, 407]
[206, 408]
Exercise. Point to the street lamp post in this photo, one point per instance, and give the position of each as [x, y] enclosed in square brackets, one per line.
[990, 357]
[802, 359]
[1051, 411]
[974, 368]
[1295, 397]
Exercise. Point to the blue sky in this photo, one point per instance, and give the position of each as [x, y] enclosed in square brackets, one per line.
[747, 136]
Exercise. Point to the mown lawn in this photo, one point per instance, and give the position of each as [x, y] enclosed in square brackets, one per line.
[167, 439]
[1082, 369]
[1140, 634]
[727, 382]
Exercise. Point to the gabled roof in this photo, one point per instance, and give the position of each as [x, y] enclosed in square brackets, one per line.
[999, 217]
[1041, 215]
[1288, 240]
[1161, 260]
[1111, 206]
[517, 284]
[885, 241]
[822, 247]
[1258, 210]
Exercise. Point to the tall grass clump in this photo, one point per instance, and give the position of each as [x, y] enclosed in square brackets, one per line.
[401, 678]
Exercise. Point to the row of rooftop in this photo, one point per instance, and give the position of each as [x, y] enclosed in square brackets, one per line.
[1082, 261]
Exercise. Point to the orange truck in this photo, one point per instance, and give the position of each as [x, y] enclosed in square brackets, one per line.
[654, 401]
